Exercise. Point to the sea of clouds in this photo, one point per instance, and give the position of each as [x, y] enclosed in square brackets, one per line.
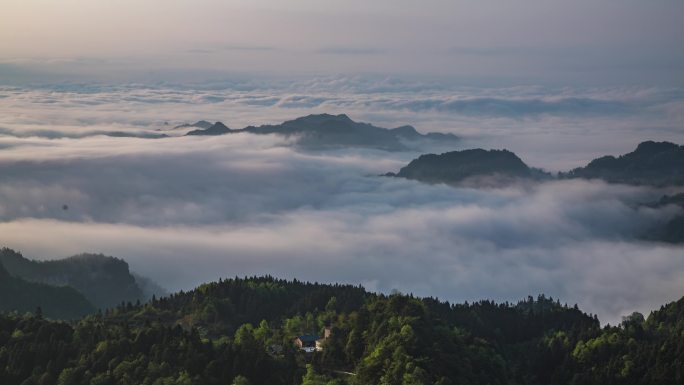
[184, 210]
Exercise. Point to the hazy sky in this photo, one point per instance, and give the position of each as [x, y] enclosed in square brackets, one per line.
[532, 41]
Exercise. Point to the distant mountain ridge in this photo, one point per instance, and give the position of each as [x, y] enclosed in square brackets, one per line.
[326, 130]
[459, 166]
[199, 124]
[19, 295]
[217, 128]
[652, 163]
[104, 281]
[495, 168]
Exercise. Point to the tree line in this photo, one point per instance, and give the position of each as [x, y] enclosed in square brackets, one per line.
[241, 331]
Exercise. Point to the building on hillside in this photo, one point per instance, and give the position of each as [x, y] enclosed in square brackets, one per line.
[307, 342]
[312, 342]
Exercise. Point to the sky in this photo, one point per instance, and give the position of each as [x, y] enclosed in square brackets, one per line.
[558, 82]
[583, 42]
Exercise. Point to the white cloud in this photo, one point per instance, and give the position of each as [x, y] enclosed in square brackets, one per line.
[243, 204]
[553, 128]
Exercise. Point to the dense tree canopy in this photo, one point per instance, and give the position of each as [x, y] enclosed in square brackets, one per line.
[241, 331]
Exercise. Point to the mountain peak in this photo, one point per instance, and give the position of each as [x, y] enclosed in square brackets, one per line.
[198, 124]
[217, 128]
[652, 163]
[456, 166]
[406, 130]
[651, 147]
[322, 118]
[218, 125]
[343, 117]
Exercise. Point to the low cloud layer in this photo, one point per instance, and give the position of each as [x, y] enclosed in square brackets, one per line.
[552, 128]
[186, 210]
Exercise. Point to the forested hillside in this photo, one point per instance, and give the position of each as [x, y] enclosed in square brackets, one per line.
[242, 331]
[651, 163]
[104, 281]
[474, 165]
[19, 295]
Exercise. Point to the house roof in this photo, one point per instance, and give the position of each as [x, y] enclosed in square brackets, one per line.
[309, 338]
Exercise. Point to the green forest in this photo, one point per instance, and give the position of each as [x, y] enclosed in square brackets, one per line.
[242, 331]
[104, 281]
[63, 302]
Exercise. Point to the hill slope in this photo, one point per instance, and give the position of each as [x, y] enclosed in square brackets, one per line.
[217, 128]
[196, 338]
[19, 295]
[104, 281]
[458, 166]
[652, 163]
